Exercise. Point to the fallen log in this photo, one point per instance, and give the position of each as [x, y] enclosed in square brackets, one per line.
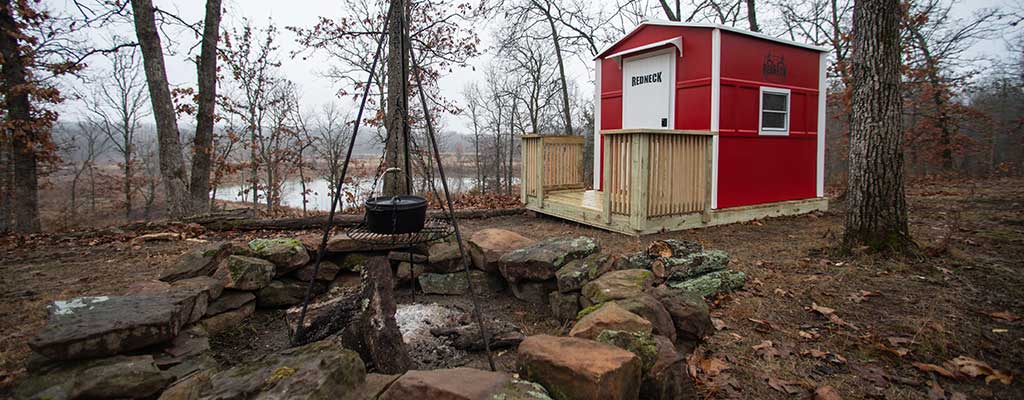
[236, 223]
[672, 248]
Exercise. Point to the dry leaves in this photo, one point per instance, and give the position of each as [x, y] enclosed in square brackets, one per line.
[761, 325]
[809, 335]
[831, 315]
[862, 296]
[718, 324]
[1004, 315]
[788, 387]
[825, 355]
[700, 367]
[936, 392]
[963, 366]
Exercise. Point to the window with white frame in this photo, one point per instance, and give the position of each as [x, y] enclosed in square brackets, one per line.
[774, 118]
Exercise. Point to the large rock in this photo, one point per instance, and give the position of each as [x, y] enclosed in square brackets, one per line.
[639, 343]
[188, 388]
[490, 244]
[649, 308]
[120, 377]
[230, 300]
[574, 368]
[694, 264]
[573, 275]
[564, 306]
[461, 384]
[245, 273]
[191, 342]
[286, 254]
[689, 313]
[667, 378]
[541, 260]
[375, 385]
[285, 293]
[328, 270]
[712, 283]
[199, 262]
[228, 319]
[321, 370]
[609, 316]
[455, 283]
[207, 285]
[93, 327]
[617, 285]
[443, 257]
[535, 292]
[342, 243]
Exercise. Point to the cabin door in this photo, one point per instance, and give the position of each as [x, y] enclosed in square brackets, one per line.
[648, 95]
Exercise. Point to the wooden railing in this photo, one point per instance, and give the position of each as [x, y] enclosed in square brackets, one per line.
[551, 163]
[656, 173]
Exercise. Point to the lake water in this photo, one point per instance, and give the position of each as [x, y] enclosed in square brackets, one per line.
[319, 197]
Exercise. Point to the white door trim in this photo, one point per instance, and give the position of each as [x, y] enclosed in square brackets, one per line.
[716, 104]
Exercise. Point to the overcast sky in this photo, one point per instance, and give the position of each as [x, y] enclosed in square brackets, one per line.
[318, 90]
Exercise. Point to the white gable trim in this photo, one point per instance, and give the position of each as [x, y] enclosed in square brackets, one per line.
[598, 143]
[676, 41]
[713, 26]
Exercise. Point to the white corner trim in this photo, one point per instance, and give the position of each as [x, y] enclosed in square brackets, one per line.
[598, 162]
[716, 104]
[761, 130]
[822, 97]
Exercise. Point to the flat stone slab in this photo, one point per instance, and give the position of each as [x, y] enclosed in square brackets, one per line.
[120, 377]
[94, 327]
[540, 261]
[461, 384]
[580, 369]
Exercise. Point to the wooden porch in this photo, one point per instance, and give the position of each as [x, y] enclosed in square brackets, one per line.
[655, 181]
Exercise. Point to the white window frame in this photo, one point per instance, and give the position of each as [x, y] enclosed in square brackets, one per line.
[760, 111]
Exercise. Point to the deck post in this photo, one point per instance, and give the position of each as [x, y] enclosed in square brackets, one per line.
[540, 171]
[606, 184]
[708, 176]
[639, 169]
[524, 142]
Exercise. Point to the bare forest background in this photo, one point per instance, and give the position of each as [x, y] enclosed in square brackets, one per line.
[268, 146]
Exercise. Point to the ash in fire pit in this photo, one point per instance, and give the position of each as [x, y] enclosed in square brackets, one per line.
[429, 352]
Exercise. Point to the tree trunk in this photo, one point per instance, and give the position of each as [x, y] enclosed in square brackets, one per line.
[128, 183]
[752, 16]
[877, 211]
[19, 125]
[202, 145]
[172, 165]
[566, 108]
[397, 69]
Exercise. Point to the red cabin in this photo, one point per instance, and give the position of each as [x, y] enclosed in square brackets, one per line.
[702, 120]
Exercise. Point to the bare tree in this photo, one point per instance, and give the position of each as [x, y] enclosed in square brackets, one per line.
[117, 108]
[202, 146]
[331, 141]
[81, 147]
[877, 211]
[474, 99]
[150, 176]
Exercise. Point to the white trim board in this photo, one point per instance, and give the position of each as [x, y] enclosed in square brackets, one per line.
[676, 41]
[822, 95]
[716, 105]
[598, 143]
[744, 32]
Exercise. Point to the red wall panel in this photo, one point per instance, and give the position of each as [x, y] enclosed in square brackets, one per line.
[755, 169]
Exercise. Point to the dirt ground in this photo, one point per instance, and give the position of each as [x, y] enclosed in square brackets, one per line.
[964, 297]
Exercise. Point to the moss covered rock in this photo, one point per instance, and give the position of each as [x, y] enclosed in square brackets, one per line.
[320, 370]
[541, 260]
[639, 343]
[245, 273]
[573, 275]
[617, 285]
[287, 254]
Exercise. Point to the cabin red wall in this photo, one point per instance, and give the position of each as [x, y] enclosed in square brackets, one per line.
[752, 168]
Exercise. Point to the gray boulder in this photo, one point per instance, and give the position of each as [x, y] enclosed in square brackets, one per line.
[573, 275]
[667, 378]
[230, 300]
[455, 283]
[286, 254]
[490, 244]
[689, 314]
[245, 273]
[535, 292]
[318, 371]
[616, 285]
[541, 260]
[93, 327]
[285, 293]
[649, 308]
[120, 377]
[199, 262]
[328, 270]
[564, 306]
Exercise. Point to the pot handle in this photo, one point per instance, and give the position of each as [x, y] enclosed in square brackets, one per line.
[373, 190]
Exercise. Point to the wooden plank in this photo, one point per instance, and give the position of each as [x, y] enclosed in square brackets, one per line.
[606, 181]
[639, 170]
[522, 172]
[708, 165]
[540, 171]
[634, 131]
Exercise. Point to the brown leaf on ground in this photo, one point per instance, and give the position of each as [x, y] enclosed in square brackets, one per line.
[762, 326]
[936, 392]
[809, 335]
[862, 296]
[701, 367]
[898, 341]
[975, 368]
[827, 355]
[875, 375]
[788, 387]
[767, 350]
[826, 393]
[934, 368]
[718, 324]
[822, 310]
[1003, 315]
[958, 396]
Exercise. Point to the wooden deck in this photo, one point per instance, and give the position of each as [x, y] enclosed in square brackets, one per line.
[654, 181]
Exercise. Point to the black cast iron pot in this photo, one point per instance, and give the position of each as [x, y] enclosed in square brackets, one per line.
[391, 215]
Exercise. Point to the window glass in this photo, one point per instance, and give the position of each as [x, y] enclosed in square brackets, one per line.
[773, 120]
[774, 102]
